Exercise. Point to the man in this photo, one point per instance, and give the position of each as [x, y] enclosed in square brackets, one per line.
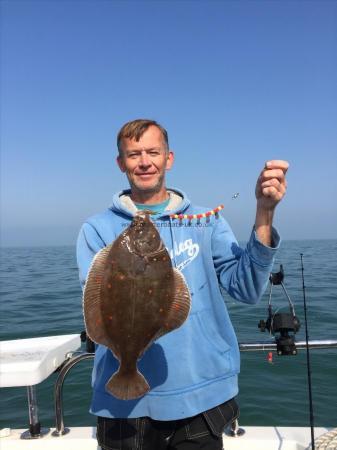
[192, 371]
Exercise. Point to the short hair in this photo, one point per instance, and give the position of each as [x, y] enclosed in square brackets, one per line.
[135, 130]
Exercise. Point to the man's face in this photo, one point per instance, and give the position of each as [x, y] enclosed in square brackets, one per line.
[145, 162]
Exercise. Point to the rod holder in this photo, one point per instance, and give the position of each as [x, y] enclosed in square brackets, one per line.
[35, 431]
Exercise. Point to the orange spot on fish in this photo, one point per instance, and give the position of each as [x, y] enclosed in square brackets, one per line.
[164, 258]
[110, 317]
[150, 291]
[176, 306]
[109, 286]
[161, 310]
[121, 276]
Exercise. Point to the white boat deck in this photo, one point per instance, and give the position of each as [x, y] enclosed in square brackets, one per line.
[255, 438]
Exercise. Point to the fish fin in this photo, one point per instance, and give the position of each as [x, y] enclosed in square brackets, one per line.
[180, 306]
[127, 386]
[91, 299]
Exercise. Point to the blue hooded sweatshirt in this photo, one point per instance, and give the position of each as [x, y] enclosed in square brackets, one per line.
[195, 367]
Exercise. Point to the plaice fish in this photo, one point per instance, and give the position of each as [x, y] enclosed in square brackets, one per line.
[133, 296]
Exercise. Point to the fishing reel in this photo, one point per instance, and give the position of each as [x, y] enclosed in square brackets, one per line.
[280, 322]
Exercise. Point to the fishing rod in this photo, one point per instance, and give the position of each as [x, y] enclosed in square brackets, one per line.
[311, 409]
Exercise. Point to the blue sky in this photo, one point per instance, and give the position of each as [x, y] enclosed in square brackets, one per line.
[234, 82]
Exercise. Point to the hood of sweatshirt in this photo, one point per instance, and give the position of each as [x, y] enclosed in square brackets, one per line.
[122, 203]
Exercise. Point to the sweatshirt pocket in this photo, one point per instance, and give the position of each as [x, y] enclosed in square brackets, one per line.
[211, 334]
[213, 356]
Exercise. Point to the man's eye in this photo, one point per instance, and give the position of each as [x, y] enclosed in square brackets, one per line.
[154, 153]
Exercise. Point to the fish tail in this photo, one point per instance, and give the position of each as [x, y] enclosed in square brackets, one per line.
[127, 386]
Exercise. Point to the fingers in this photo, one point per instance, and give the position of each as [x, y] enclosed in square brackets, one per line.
[275, 183]
[277, 164]
[273, 173]
[273, 189]
[274, 170]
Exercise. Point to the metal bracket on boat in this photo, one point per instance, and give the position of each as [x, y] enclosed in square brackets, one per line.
[281, 323]
[35, 431]
[60, 429]
[233, 430]
[89, 344]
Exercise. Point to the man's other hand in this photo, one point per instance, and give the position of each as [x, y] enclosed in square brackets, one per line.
[271, 185]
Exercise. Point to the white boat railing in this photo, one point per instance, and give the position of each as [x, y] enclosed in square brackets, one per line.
[300, 345]
[60, 429]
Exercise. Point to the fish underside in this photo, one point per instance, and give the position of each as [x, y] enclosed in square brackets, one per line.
[133, 296]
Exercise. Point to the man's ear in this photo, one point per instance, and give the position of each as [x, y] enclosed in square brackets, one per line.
[170, 160]
[121, 163]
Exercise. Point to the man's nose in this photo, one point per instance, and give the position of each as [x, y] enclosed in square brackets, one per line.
[144, 160]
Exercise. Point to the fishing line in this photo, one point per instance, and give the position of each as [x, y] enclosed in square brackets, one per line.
[308, 359]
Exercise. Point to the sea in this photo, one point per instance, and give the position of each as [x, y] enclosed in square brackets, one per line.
[41, 296]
